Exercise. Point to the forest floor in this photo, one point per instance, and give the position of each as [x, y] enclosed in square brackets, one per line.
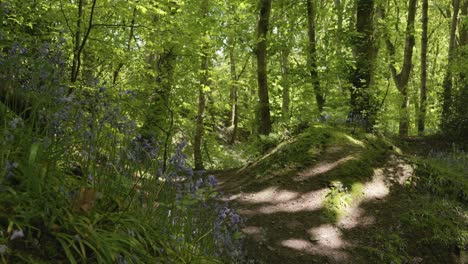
[342, 204]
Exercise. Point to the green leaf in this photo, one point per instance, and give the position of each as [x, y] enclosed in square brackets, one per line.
[237, 235]
[33, 153]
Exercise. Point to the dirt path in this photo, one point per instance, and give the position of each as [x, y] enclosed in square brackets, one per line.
[285, 216]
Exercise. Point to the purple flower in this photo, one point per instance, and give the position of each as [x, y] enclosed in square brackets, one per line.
[198, 183]
[235, 218]
[212, 181]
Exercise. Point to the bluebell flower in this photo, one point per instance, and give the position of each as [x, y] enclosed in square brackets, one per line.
[212, 181]
[198, 183]
[235, 218]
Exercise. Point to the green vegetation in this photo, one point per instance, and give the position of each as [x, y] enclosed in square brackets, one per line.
[340, 127]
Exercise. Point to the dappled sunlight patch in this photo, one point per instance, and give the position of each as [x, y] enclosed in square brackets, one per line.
[297, 244]
[307, 202]
[269, 195]
[325, 241]
[321, 168]
[377, 188]
[355, 141]
[404, 172]
[342, 202]
[327, 235]
[355, 217]
[252, 230]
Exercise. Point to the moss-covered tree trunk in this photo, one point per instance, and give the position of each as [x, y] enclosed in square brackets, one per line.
[285, 97]
[312, 57]
[423, 87]
[461, 117]
[204, 82]
[365, 55]
[264, 120]
[448, 82]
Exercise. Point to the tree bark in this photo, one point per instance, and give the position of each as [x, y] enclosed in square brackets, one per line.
[462, 96]
[233, 95]
[204, 82]
[365, 54]
[264, 127]
[423, 88]
[76, 47]
[401, 79]
[312, 56]
[284, 63]
[448, 82]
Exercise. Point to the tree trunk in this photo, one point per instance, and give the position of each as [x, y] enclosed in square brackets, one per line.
[80, 43]
[264, 127]
[312, 56]
[448, 83]
[339, 6]
[204, 82]
[233, 95]
[462, 96]
[285, 83]
[365, 54]
[76, 44]
[423, 91]
[402, 78]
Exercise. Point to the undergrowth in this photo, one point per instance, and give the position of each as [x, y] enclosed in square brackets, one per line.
[429, 214]
[79, 184]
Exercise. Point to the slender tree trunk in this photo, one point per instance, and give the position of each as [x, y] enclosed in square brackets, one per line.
[264, 127]
[204, 82]
[423, 90]
[285, 82]
[462, 96]
[80, 42]
[312, 56]
[365, 54]
[339, 4]
[402, 78]
[463, 29]
[233, 96]
[76, 44]
[129, 45]
[448, 83]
